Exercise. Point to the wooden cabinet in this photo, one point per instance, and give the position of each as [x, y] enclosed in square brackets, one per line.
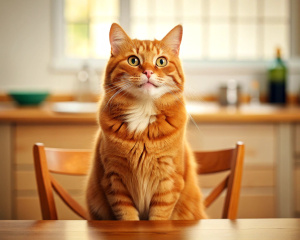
[271, 181]
[258, 185]
[257, 195]
[297, 170]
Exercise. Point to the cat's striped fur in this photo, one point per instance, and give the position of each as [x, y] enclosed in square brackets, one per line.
[142, 166]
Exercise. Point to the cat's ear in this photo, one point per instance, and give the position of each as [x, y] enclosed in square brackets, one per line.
[173, 39]
[117, 38]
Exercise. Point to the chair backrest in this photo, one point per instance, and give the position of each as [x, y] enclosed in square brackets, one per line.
[63, 161]
[76, 162]
[231, 160]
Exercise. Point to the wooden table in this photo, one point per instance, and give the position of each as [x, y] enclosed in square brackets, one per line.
[262, 229]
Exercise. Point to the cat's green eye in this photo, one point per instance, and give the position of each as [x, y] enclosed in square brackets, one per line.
[161, 62]
[133, 61]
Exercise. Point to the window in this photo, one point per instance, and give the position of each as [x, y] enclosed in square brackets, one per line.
[217, 29]
[87, 23]
[225, 30]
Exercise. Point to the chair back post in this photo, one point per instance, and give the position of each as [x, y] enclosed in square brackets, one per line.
[44, 183]
[234, 183]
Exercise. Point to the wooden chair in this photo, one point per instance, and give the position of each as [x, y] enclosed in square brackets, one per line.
[224, 160]
[63, 161]
[76, 162]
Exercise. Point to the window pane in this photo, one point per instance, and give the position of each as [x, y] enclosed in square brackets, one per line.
[104, 8]
[219, 8]
[275, 8]
[140, 30]
[77, 40]
[213, 29]
[247, 8]
[87, 27]
[246, 41]
[192, 41]
[219, 41]
[139, 8]
[165, 8]
[76, 10]
[275, 35]
[100, 46]
[192, 8]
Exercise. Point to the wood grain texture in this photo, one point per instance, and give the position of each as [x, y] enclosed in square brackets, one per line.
[263, 229]
[68, 161]
[6, 169]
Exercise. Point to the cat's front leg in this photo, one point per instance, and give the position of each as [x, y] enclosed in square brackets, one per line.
[165, 198]
[119, 198]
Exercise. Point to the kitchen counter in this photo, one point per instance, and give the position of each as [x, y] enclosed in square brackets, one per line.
[271, 134]
[200, 112]
[41, 114]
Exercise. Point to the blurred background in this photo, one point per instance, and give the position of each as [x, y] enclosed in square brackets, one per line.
[45, 43]
[230, 50]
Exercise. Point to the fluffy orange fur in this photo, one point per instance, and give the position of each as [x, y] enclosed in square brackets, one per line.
[143, 168]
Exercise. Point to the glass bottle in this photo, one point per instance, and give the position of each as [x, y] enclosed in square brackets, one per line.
[277, 75]
[254, 93]
[83, 84]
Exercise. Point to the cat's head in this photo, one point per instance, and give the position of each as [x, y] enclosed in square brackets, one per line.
[144, 68]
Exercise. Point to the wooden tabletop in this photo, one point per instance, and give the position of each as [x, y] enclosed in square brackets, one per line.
[200, 112]
[262, 229]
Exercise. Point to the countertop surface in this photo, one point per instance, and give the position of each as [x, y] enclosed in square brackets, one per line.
[200, 112]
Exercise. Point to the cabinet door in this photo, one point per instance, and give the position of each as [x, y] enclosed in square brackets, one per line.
[297, 170]
[62, 136]
[257, 198]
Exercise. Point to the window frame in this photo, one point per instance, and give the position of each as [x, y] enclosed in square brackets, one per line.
[207, 67]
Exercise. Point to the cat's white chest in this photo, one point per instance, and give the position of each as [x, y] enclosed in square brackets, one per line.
[140, 116]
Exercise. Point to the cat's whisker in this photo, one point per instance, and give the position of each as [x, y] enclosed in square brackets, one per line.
[114, 89]
[175, 95]
[116, 93]
[121, 88]
[115, 86]
[190, 116]
[108, 88]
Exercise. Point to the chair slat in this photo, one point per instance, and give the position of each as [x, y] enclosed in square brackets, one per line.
[68, 200]
[66, 161]
[216, 192]
[212, 162]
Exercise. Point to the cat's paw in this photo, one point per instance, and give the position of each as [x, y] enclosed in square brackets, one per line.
[157, 218]
[128, 216]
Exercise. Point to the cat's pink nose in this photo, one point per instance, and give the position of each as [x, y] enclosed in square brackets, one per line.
[148, 73]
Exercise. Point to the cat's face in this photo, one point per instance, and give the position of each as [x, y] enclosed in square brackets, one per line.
[145, 68]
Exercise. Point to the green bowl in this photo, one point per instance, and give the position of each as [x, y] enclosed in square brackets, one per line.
[29, 97]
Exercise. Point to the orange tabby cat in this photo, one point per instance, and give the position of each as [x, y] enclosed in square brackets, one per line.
[143, 167]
